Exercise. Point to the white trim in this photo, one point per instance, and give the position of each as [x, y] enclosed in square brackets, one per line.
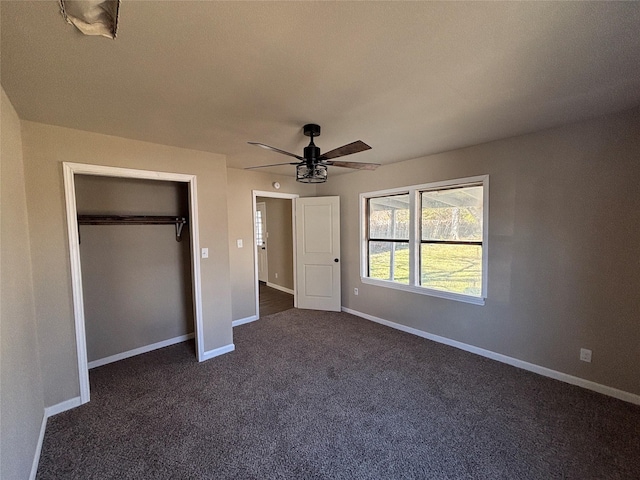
[217, 352]
[485, 236]
[50, 412]
[69, 172]
[140, 350]
[423, 291]
[294, 234]
[292, 197]
[244, 320]
[280, 287]
[105, 171]
[62, 406]
[36, 456]
[196, 277]
[531, 367]
[262, 193]
[427, 186]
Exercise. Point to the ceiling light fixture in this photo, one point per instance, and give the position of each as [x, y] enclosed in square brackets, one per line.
[92, 17]
[306, 173]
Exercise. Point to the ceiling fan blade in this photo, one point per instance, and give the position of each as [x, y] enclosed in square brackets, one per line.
[356, 165]
[272, 165]
[275, 150]
[351, 148]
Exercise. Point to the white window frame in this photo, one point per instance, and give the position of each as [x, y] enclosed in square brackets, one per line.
[414, 238]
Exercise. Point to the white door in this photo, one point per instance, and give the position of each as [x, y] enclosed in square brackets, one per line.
[261, 241]
[318, 253]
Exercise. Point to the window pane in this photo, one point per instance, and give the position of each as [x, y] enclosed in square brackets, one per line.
[453, 214]
[452, 268]
[259, 234]
[389, 261]
[389, 217]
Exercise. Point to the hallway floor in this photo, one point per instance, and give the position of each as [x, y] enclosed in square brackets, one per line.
[273, 301]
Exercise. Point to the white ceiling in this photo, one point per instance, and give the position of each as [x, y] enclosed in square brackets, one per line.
[409, 79]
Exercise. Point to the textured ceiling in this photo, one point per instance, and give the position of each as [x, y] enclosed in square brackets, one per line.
[409, 79]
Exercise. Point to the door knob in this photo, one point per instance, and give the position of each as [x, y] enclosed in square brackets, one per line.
[336, 260]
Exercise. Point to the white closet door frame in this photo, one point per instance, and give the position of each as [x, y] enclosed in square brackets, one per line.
[69, 171]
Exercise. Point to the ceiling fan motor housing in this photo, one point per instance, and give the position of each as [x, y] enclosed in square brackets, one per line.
[311, 153]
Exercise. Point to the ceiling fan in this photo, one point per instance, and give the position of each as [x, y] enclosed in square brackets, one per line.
[312, 167]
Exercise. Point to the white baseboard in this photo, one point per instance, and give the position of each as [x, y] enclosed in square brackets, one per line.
[217, 352]
[36, 455]
[141, 350]
[242, 321]
[280, 287]
[62, 407]
[547, 372]
[49, 412]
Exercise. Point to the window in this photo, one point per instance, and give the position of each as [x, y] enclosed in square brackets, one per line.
[429, 239]
[259, 229]
[389, 238]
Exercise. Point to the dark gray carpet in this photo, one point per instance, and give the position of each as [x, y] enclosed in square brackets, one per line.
[329, 395]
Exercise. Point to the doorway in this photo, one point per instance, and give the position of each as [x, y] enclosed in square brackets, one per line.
[70, 170]
[274, 253]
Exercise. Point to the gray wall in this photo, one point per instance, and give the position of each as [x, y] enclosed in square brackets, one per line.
[45, 148]
[22, 404]
[136, 278]
[280, 241]
[564, 240]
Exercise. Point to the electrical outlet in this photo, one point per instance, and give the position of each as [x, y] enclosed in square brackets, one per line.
[585, 355]
[276, 275]
[355, 291]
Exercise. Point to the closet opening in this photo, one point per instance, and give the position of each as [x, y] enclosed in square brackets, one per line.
[135, 272]
[136, 269]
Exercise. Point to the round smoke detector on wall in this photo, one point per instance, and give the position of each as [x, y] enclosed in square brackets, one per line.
[276, 185]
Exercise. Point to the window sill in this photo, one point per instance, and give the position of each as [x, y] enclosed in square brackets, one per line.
[423, 291]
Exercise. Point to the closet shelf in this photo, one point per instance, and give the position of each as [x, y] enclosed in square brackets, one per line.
[179, 222]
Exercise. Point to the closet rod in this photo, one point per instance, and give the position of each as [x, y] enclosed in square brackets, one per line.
[179, 222]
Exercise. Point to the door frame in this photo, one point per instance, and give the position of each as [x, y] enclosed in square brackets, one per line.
[292, 197]
[70, 170]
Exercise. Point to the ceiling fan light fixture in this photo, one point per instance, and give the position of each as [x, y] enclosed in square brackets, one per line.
[313, 165]
[314, 174]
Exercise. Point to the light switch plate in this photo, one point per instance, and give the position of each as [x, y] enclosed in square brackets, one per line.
[239, 242]
[205, 253]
